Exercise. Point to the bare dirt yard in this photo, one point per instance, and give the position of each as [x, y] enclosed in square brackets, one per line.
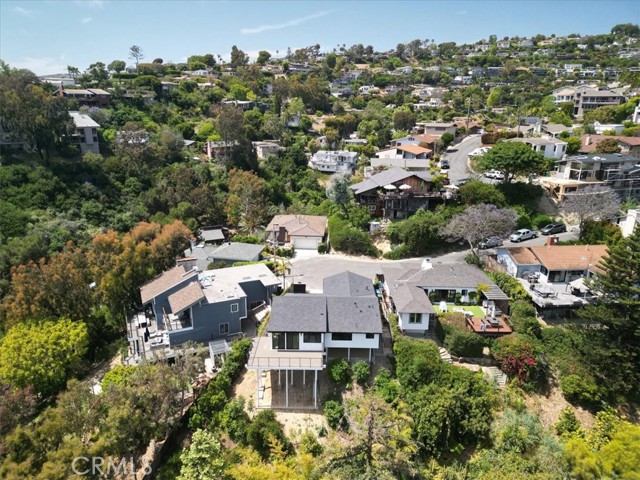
[549, 406]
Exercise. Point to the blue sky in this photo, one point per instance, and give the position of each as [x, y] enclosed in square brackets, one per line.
[47, 35]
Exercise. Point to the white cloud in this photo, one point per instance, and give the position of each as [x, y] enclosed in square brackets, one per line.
[22, 11]
[86, 20]
[280, 26]
[90, 3]
[40, 65]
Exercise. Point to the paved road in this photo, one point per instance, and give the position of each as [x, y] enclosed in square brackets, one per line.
[458, 160]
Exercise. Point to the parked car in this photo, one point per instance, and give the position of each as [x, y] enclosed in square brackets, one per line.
[495, 174]
[490, 242]
[553, 228]
[452, 148]
[523, 234]
[444, 164]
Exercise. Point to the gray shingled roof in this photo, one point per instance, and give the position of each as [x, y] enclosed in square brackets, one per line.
[212, 235]
[407, 297]
[386, 177]
[236, 251]
[354, 315]
[297, 312]
[454, 275]
[348, 283]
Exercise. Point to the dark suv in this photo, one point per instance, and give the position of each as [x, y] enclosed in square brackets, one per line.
[553, 228]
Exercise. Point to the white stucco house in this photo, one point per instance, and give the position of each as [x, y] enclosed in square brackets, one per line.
[333, 161]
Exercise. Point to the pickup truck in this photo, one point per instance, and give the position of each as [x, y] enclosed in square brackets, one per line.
[523, 234]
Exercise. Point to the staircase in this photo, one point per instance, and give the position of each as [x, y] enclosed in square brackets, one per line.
[259, 313]
[497, 375]
[445, 356]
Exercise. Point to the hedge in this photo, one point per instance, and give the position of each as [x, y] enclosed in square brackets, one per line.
[348, 239]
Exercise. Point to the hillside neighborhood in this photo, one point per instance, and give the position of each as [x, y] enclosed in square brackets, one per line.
[325, 263]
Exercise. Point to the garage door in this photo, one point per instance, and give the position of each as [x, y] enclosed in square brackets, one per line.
[305, 243]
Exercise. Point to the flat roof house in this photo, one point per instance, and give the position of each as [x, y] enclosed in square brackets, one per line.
[333, 161]
[549, 147]
[305, 330]
[620, 172]
[86, 134]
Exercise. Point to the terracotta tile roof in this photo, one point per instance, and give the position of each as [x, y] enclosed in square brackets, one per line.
[183, 299]
[307, 225]
[164, 282]
[414, 149]
[594, 139]
[426, 138]
[571, 257]
[523, 256]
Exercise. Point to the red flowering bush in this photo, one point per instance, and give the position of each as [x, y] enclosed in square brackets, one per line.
[520, 357]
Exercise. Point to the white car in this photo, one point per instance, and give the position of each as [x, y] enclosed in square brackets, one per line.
[495, 174]
[523, 234]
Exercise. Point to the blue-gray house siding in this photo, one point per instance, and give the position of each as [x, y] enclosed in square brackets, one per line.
[207, 319]
[160, 304]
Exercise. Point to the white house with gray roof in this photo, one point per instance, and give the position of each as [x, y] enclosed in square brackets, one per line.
[333, 161]
[305, 330]
[86, 134]
[412, 292]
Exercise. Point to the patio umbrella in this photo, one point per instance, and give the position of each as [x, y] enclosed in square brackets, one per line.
[404, 186]
[389, 187]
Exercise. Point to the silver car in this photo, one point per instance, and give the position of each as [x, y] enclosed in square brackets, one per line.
[523, 234]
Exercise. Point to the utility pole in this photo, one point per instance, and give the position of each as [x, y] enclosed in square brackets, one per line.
[468, 115]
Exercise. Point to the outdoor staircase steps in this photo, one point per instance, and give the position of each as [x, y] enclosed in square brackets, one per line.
[497, 375]
[445, 356]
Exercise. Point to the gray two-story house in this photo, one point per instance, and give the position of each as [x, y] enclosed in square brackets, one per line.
[182, 305]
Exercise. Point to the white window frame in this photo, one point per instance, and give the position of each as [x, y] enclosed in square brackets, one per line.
[220, 328]
[237, 308]
[413, 318]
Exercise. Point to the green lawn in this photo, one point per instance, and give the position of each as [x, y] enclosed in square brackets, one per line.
[477, 311]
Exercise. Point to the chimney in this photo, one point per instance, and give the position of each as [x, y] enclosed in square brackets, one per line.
[426, 264]
[587, 140]
[552, 240]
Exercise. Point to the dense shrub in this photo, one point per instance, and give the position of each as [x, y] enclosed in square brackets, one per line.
[463, 343]
[509, 285]
[540, 220]
[348, 239]
[322, 248]
[520, 357]
[593, 233]
[527, 325]
[567, 424]
[234, 420]
[309, 444]
[334, 412]
[215, 397]
[491, 138]
[385, 386]
[263, 428]
[361, 372]
[580, 390]
[340, 371]
[520, 193]
[246, 239]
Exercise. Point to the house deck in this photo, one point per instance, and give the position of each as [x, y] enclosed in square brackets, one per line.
[263, 357]
[486, 327]
[553, 295]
